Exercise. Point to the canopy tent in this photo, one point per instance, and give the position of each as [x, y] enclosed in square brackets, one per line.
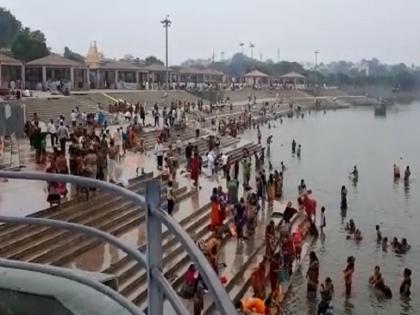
[293, 75]
[40, 71]
[296, 79]
[10, 70]
[256, 74]
[256, 77]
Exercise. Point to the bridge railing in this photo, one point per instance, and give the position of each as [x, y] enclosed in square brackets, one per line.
[158, 286]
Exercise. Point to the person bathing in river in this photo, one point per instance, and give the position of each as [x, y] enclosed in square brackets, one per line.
[343, 205]
[313, 274]
[403, 247]
[302, 187]
[406, 284]
[376, 279]
[293, 146]
[407, 174]
[397, 174]
[385, 244]
[299, 150]
[355, 173]
[283, 167]
[350, 226]
[358, 235]
[348, 274]
[395, 243]
[378, 234]
[323, 222]
[327, 292]
[378, 283]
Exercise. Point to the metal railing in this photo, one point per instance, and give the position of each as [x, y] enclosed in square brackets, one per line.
[158, 287]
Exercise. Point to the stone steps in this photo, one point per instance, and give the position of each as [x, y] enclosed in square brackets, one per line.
[132, 278]
[51, 246]
[151, 97]
[26, 246]
[48, 108]
[68, 207]
[61, 247]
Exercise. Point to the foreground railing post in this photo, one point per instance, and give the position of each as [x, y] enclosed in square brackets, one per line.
[154, 248]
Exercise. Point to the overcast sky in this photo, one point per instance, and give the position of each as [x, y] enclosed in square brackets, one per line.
[339, 29]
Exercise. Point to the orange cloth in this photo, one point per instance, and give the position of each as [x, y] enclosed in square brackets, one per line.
[215, 214]
[271, 192]
[255, 305]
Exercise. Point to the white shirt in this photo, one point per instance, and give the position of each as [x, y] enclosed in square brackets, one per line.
[62, 132]
[224, 159]
[210, 160]
[51, 128]
[73, 116]
[158, 149]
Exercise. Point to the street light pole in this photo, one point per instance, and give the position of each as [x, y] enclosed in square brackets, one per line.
[252, 46]
[242, 47]
[316, 52]
[166, 24]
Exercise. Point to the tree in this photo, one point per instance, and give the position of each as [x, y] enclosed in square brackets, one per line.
[405, 80]
[69, 54]
[9, 27]
[153, 60]
[29, 45]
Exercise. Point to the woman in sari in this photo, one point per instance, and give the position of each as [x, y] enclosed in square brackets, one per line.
[270, 191]
[195, 169]
[278, 176]
[274, 271]
[258, 281]
[270, 240]
[52, 187]
[288, 250]
[215, 221]
[313, 273]
[62, 168]
[223, 203]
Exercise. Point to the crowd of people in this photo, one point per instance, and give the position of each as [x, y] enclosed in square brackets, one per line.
[88, 147]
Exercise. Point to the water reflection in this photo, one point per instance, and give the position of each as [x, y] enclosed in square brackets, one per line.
[348, 306]
[405, 306]
[407, 188]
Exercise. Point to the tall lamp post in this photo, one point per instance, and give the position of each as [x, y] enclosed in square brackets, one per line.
[242, 47]
[316, 52]
[252, 46]
[166, 24]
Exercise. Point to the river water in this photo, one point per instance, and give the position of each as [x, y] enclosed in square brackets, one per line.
[331, 144]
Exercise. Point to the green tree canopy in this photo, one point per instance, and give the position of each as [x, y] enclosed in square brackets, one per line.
[69, 54]
[153, 60]
[241, 64]
[9, 28]
[29, 45]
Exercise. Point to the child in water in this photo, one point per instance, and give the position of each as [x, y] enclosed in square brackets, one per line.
[395, 244]
[358, 235]
[378, 283]
[385, 244]
[350, 227]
